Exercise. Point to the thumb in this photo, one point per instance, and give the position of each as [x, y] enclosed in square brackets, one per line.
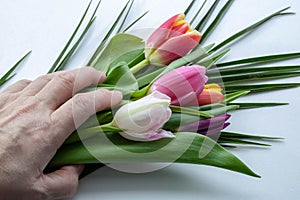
[62, 183]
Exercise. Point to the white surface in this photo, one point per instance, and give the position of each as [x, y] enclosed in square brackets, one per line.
[44, 27]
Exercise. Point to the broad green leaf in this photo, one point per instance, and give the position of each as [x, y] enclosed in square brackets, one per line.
[83, 134]
[185, 148]
[116, 52]
[147, 78]
[90, 168]
[137, 60]
[8, 75]
[120, 76]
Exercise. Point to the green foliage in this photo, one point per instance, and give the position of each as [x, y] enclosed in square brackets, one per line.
[198, 149]
[115, 51]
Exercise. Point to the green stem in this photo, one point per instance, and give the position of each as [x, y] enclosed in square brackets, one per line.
[139, 66]
[190, 111]
[90, 132]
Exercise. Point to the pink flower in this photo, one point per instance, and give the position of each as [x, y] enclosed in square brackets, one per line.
[182, 85]
[172, 40]
[143, 119]
[211, 94]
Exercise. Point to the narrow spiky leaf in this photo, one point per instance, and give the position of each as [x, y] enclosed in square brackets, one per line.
[198, 12]
[250, 28]
[261, 59]
[261, 87]
[216, 21]
[8, 75]
[60, 56]
[251, 105]
[126, 16]
[135, 21]
[186, 12]
[92, 61]
[207, 16]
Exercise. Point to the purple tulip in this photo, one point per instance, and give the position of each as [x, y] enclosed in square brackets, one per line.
[208, 126]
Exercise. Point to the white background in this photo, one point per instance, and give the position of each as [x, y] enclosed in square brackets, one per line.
[45, 26]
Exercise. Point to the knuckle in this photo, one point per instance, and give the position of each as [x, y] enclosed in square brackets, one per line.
[24, 82]
[89, 69]
[66, 78]
[95, 74]
[81, 102]
[44, 78]
[104, 97]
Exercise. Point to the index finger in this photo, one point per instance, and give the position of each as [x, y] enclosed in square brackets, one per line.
[65, 84]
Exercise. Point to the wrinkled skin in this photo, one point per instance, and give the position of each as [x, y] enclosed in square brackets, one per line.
[35, 118]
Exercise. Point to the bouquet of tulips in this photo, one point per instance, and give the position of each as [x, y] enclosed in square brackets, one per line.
[176, 95]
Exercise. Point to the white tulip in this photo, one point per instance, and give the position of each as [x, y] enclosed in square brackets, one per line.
[143, 119]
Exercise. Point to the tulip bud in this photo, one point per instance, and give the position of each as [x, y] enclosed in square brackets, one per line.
[142, 120]
[172, 40]
[183, 85]
[211, 94]
[208, 126]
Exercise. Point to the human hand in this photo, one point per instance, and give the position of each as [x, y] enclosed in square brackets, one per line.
[35, 119]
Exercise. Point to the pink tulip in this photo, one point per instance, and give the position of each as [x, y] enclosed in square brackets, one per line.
[211, 94]
[172, 40]
[143, 119]
[182, 85]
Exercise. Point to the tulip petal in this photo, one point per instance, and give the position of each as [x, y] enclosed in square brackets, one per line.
[175, 48]
[173, 20]
[211, 94]
[142, 119]
[182, 85]
[207, 125]
[161, 34]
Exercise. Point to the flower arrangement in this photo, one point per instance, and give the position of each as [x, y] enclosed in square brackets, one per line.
[177, 95]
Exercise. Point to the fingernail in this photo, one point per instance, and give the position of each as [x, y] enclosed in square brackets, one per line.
[116, 97]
